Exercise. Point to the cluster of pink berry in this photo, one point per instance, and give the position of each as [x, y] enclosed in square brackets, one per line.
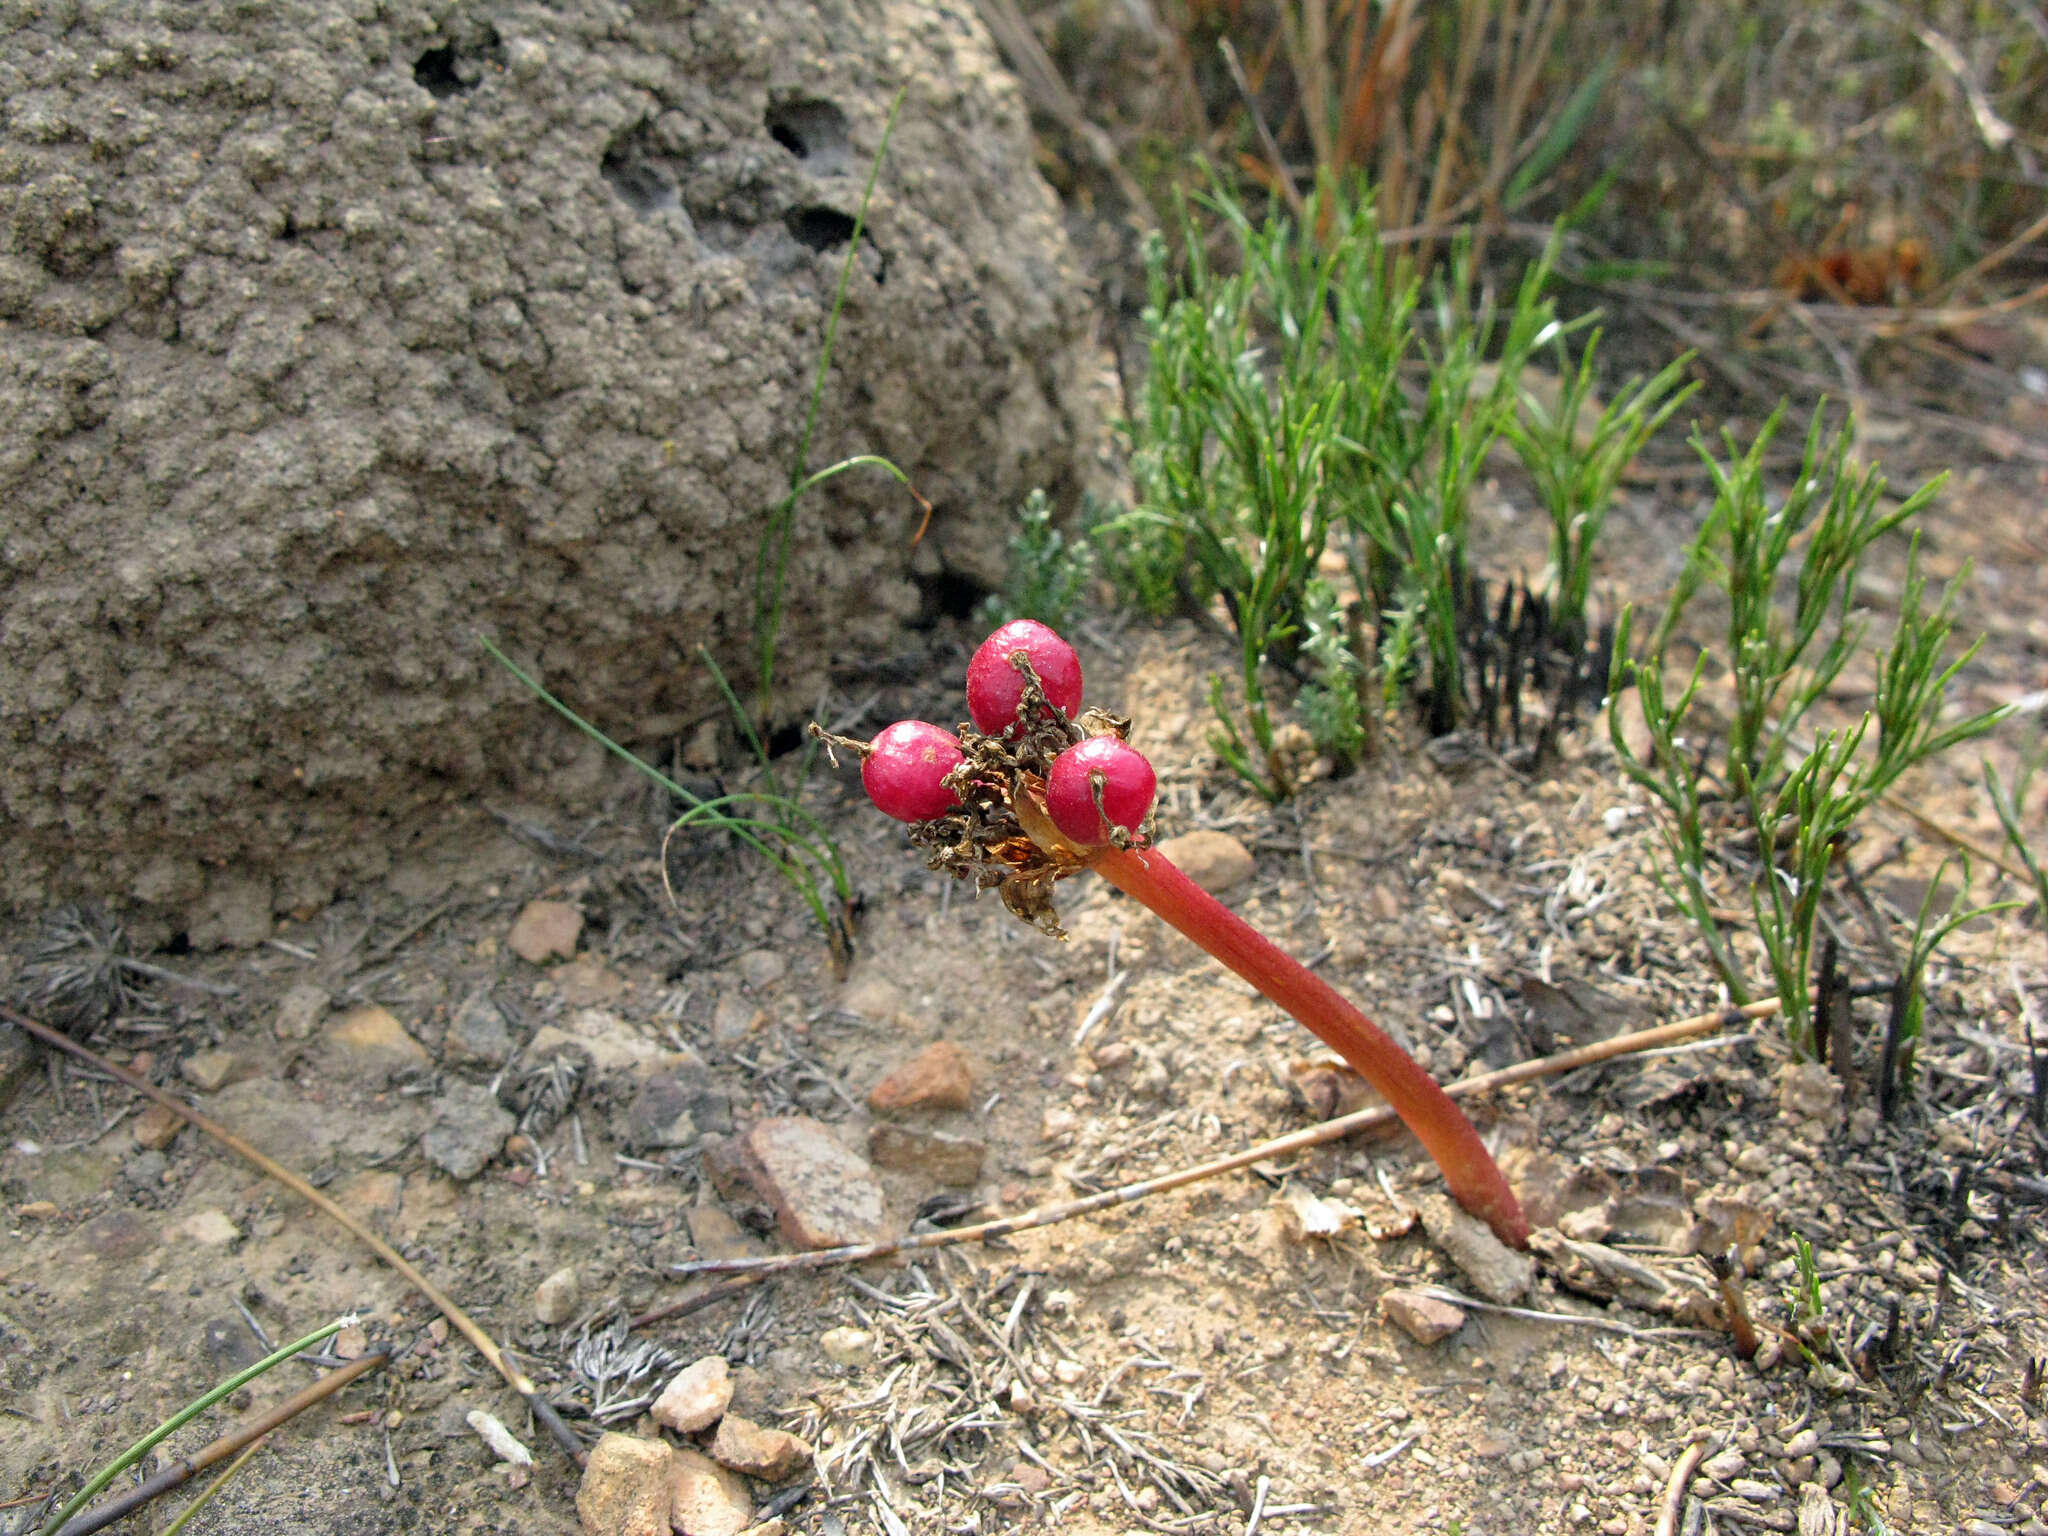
[1098, 788]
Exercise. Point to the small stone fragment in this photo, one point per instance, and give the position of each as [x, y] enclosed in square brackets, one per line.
[1057, 1121]
[556, 1298]
[950, 1160]
[607, 1040]
[762, 967]
[155, 1128]
[1423, 1318]
[584, 982]
[773, 1455]
[477, 1035]
[1588, 1225]
[503, 1443]
[545, 930]
[1328, 1088]
[300, 1011]
[372, 1040]
[1304, 1215]
[824, 1195]
[847, 1346]
[211, 1227]
[1030, 1477]
[660, 1115]
[626, 1487]
[937, 1077]
[1215, 861]
[1807, 1090]
[469, 1129]
[733, 1018]
[211, 1071]
[705, 1499]
[697, 1398]
[1495, 1271]
[145, 1170]
[872, 997]
[1726, 1466]
[715, 1235]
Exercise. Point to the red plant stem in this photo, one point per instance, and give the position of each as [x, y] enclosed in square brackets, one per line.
[1475, 1180]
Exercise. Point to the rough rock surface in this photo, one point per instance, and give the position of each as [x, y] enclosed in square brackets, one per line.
[773, 1455]
[1422, 1317]
[937, 1077]
[705, 1499]
[823, 1195]
[697, 1397]
[469, 1129]
[626, 1488]
[332, 335]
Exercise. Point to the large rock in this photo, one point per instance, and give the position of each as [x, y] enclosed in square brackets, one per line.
[332, 335]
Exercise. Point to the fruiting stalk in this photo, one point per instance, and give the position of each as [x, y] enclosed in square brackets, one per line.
[1034, 792]
[1471, 1174]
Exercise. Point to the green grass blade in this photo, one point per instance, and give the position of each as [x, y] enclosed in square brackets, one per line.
[1563, 134]
[184, 1416]
[771, 569]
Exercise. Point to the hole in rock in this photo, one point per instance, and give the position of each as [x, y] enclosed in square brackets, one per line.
[435, 70]
[949, 595]
[642, 181]
[822, 229]
[808, 129]
[788, 738]
[458, 64]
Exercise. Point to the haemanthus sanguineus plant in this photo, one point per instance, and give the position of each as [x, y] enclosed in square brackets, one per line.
[1038, 788]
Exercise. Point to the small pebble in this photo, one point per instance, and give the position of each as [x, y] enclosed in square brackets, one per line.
[847, 1346]
[937, 1077]
[697, 1398]
[762, 967]
[155, 1128]
[773, 1455]
[545, 930]
[1724, 1467]
[1424, 1319]
[556, 1298]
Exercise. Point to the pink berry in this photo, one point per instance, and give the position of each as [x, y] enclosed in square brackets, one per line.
[905, 769]
[995, 689]
[1128, 784]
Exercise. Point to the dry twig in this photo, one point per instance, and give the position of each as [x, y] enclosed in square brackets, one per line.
[1673, 1507]
[484, 1344]
[243, 1435]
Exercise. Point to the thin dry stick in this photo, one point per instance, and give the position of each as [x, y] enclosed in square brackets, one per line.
[242, 1435]
[1297, 1141]
[1992, 259]
[684, 1306]
[1288, 189]
[515, 1378]
[1674, 1491]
